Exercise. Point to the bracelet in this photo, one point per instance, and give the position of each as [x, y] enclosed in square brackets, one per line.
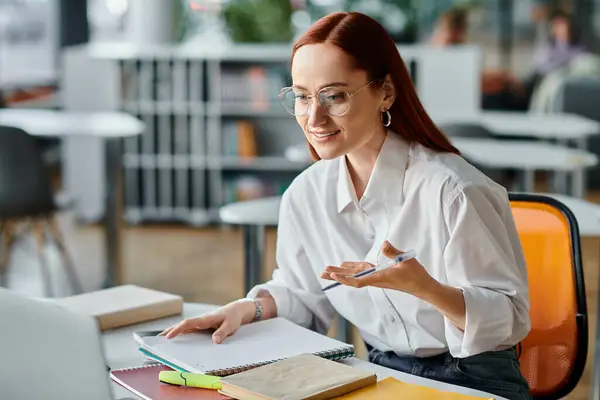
[259, 308]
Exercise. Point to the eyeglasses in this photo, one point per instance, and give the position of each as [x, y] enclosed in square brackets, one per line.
[335, 100]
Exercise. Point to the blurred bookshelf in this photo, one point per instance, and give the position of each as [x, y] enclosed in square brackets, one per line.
[248, 130]
[215, 129]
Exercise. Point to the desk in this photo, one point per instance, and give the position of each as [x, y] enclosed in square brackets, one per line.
[527, 156]
[112, 126]
[561, 126]
[121, 352]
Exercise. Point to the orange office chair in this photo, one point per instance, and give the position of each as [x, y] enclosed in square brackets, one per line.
[553, 355]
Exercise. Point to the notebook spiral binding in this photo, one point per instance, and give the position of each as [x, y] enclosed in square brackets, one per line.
[334, 355]
[153, 365]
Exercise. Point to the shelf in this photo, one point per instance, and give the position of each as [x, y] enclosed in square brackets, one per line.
[164, 107]
[193, 216]
[161, 161]
[257, 164]
[247, 110]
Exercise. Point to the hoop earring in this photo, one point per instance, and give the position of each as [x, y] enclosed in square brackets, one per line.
[388, 119]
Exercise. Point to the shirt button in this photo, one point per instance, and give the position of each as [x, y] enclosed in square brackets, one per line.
[391, 318]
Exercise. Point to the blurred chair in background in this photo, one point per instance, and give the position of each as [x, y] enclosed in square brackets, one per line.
[580, 95]
[26, 195]
[474, 130]
[553, 355]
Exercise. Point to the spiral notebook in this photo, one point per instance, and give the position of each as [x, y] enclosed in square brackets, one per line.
[251, 346]
[143, 382]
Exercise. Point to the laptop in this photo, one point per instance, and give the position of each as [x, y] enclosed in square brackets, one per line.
[49, 353]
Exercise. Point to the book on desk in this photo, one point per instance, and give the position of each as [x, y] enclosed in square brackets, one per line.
[123, 305]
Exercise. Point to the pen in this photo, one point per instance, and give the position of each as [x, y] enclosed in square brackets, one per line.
[400, 258]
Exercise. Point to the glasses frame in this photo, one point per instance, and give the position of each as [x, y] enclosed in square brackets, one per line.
[285, 90]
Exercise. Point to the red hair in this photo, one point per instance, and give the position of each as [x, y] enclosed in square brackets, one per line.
[375, 52]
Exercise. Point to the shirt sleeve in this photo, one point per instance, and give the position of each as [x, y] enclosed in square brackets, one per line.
[294, 285]
[485, 260]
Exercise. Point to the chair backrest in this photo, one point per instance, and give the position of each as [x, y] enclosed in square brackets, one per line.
[579, 95]
[25, 188]
[553, 355]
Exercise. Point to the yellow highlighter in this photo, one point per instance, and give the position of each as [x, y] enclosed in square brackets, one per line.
[189, 379]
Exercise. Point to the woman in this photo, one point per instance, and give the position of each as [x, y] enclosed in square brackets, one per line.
[563, 45]
[388, 179]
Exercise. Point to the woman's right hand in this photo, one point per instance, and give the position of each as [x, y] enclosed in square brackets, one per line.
[226, 320]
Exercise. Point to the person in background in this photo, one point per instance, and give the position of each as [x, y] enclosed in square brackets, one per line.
[450, 29]
[557, 51]
[386, 180]
[562, 46]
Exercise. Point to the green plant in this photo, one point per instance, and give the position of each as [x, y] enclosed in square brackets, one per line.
[252, 21]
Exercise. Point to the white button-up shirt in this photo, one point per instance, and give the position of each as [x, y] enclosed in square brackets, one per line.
[457, 220]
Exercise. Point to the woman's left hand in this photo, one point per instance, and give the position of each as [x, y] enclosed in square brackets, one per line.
[408, 276]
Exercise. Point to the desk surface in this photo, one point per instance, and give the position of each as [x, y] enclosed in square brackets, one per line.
[122, 352]
[70, 123]
[521, 154]
[551, 125]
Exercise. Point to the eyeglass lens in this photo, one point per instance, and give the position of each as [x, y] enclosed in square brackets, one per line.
[335, 100]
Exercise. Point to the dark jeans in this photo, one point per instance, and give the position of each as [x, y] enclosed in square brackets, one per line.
[495, 372]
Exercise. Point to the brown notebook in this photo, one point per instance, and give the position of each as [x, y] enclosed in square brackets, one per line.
[300, 377]
[124, 305]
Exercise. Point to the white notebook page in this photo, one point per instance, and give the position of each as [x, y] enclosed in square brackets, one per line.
[258, 342]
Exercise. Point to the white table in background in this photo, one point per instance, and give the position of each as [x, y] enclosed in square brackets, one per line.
[112, 127]
[121, 352]
[560, 126]
[527, 156]
[564, 128]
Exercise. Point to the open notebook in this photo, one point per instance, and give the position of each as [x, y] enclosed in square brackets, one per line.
[252, 345]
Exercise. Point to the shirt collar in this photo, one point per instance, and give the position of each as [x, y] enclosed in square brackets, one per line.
[387, 178]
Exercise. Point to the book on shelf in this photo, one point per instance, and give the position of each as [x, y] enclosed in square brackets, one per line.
[248, 187]
[239, 139]
[254, 86]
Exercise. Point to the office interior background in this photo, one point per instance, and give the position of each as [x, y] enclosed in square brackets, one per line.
[145, 201]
